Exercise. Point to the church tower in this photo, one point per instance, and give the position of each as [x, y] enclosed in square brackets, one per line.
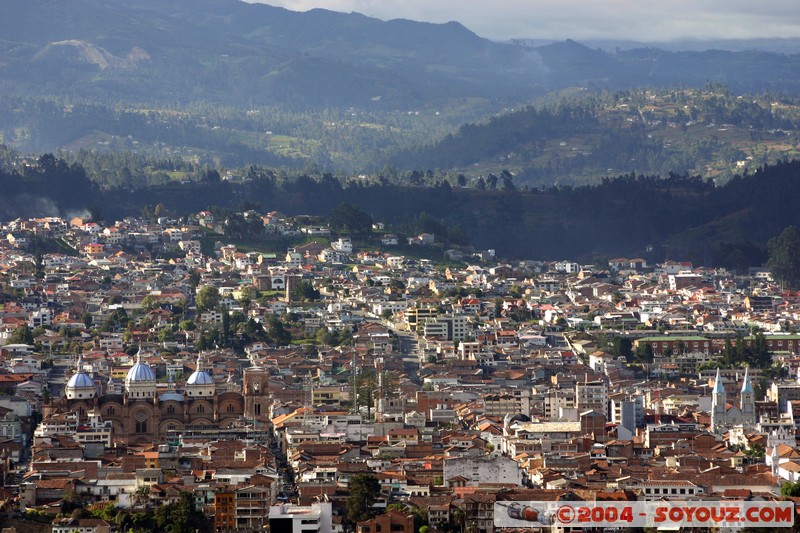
[747, 401]
[255, 385]
[719, 400]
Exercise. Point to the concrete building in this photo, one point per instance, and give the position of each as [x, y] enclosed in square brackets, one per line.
[302, 519]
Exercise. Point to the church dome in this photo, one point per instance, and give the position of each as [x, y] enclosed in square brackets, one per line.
[80, 384]
[140, 372]
[200, 377]
[140, 382]
[200, 383]
[80, 380]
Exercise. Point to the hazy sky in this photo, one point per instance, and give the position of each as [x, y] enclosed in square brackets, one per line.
[641, 20]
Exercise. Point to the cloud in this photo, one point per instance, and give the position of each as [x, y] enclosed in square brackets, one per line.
[641, 20]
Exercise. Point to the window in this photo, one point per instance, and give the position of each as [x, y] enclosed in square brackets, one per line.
[171, 410]
[258, 409]
[110, 411]
[201, 409]
[230, 408]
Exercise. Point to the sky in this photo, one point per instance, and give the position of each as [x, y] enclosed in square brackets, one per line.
[638, 20]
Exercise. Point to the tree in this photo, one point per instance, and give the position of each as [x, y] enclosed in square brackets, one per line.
[622, 347]
[149, 303]
[364, 490]
[277, 333]
[165, 334]
[141, 496]
[207, 298]
[348, 218]
[459, 518]
[784, 256]
[21, 335]
[116, 320]
[245, 297]
[790, 489]
[366, 388]
[181, 516]
[758, 353]
[305, 291]
[644, 353]
[194, 279]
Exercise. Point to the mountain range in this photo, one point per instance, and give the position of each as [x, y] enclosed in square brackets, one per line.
[175, 52]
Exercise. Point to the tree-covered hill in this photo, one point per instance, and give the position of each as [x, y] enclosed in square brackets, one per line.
[687, 217]
[708, 131]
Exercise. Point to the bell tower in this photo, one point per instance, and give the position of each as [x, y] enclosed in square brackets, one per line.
[256, 393]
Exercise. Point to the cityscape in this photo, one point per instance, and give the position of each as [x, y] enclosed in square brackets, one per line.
[349, 266]
[261, 386]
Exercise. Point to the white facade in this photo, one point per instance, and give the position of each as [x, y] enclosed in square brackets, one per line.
[314, 518]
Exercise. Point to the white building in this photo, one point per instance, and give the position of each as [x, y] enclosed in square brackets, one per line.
[484, 469]
[301, 519]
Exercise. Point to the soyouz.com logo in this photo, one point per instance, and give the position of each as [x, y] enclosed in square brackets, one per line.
[643, 514]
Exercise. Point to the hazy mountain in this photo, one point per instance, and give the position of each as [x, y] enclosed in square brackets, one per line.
[778, 46]
[234, 53]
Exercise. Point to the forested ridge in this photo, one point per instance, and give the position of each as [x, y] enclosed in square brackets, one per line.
[571, 138]
[676, 215]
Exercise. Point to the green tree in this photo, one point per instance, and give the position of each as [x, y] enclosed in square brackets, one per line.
[644, 353]
[363, 492]
[21, 335]
[305, 291]
[165, 334]
[194, 279]
[141, 497]
[149, 303]
[790, 489]
[348, 218]
[116, 320]
[277, 333]
[622, 347]
[459, 519]
[207, 298]
[245, 297]
[181, 516]
[784, 256]
[366, 388]
[759, 354]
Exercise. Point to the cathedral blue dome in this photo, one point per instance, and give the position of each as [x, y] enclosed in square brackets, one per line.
[140, 372]
[80, 380]
[200, 377]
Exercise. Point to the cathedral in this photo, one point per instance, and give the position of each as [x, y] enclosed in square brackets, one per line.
[724, 415]
[140, 413]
